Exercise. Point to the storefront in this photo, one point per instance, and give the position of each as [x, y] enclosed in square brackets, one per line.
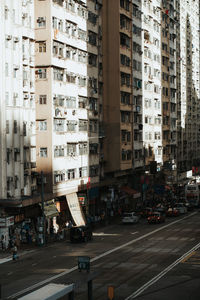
[5, 224]
[130, 198]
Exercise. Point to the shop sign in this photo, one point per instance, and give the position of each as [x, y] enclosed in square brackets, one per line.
[19, 218]
[5, 222]
[82, 200]
[75, 209]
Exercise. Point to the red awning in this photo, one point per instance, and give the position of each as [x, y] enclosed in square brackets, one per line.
[130, 191]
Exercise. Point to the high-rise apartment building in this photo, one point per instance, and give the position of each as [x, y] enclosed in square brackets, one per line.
[188, 143]
[117, 80]
[152, 107]
[17, 143]
[67, 94]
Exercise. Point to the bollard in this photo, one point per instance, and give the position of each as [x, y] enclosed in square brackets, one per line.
[110, 292]
[90, 290]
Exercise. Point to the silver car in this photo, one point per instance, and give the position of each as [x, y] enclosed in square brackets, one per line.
[130, 217]
[181, 208]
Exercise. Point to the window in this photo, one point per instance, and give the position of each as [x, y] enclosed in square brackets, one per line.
[92, 59]
[7, 126]
[42, 73]
[71, 174]
[94, 148]
[6, 12]
[125, 98]
[41, 21]
[59, 151]
[92, 18]
[42, 125]
[125, 79]
[59, 176]
[93, 126]
[58, 74]
[42, 46]
[43, 152]
[83, 148]
[71, 126]
[124, 40]
[15, 126]
[92, 38]
[42, 99]
[94, 170]
[24, 128]
[71, 102]
[83, 125]
[71, 78]
[59, 124]
[93, 104]
[71, 149]
[6, 69]
[82, 102]
[83, 172]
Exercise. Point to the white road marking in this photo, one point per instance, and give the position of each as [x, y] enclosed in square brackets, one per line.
[4, 260]
[9, 258]
[184, 239]
[161, 274]
[34, 286]
[172, 238]
[105, 234]
[134, 232]
[10, 273]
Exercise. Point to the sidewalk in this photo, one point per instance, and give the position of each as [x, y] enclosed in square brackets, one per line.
[23, 249]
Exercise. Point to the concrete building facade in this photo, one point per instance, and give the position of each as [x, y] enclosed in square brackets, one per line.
[18, 140]
[67, 94]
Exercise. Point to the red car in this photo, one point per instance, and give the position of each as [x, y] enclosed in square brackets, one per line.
[156, 217]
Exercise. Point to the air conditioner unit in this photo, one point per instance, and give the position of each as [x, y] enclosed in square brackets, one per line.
[16, 39]
[24, 15]
[40, 19]
[73, 112]
[9, 37]
[16, 67]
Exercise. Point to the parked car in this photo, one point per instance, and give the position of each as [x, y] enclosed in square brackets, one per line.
[80, 233]
[181, 207]
[156, 217]
[130, 217]
[189, 206]
[172, 212]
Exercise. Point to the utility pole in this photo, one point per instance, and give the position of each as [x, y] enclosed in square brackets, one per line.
[43, 215]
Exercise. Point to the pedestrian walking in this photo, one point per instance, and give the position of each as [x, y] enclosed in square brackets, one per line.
[3, 243]
[14, 251]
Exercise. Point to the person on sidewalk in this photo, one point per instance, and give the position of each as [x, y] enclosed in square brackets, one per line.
[14, 251]
[3, 246]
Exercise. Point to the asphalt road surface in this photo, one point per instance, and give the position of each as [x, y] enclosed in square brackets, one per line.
[141, 261]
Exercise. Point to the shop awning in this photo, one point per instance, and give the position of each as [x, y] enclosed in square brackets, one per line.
[75, 209]
[130, 191]
[50, 209]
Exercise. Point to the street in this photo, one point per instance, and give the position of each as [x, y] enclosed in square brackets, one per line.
[141, 261]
